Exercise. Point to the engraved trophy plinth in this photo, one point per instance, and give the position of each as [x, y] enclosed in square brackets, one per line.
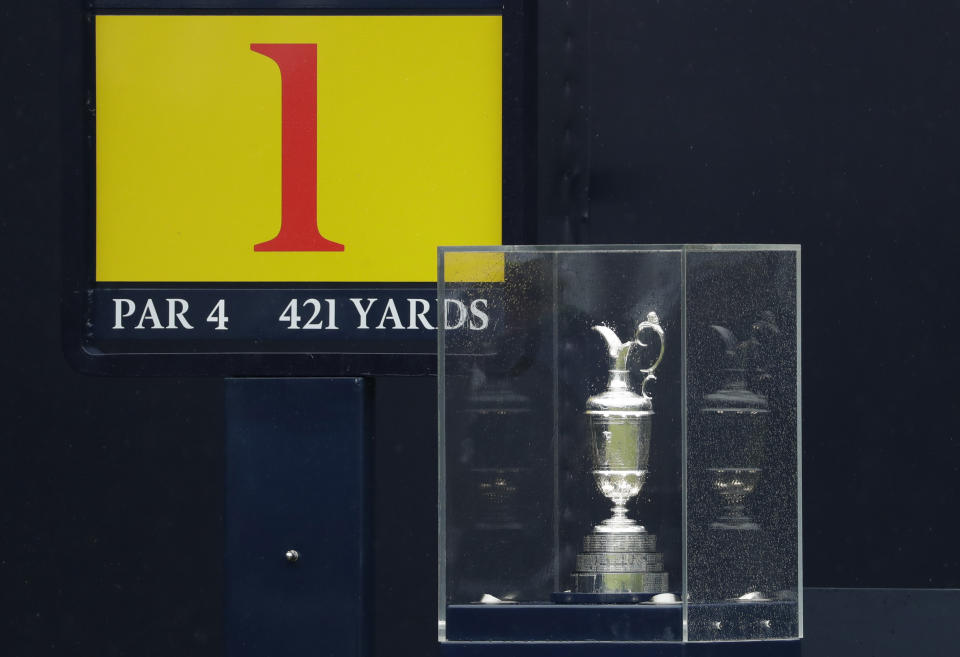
[619, 561]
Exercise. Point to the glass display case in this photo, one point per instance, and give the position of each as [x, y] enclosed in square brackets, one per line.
[619, 455]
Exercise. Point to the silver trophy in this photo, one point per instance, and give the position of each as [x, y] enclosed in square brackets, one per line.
[619, 555]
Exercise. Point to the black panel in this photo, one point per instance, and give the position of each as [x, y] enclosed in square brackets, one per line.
[881, 622]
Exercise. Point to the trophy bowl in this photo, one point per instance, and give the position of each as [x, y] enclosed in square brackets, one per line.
[620, 425]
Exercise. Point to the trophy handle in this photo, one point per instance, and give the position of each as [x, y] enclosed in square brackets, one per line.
[653, 323]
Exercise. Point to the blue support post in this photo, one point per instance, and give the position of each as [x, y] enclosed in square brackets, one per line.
[298, 526]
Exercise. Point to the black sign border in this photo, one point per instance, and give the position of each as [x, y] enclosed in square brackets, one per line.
[79, 202]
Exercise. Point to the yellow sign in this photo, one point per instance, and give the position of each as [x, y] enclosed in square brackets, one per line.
[205, 161]
[473, 267]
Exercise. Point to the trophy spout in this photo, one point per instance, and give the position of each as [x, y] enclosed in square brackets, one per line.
[617, 350]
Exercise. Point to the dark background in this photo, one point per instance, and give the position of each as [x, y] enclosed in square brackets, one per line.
[830, 124]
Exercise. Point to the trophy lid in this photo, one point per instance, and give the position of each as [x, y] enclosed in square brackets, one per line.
[619, 397]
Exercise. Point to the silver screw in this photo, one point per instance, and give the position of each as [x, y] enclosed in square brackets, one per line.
[292, 555]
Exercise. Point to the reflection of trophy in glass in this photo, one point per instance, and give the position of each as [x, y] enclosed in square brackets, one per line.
[733, 486]
[618, 555]
[492, 406]
[736, 423]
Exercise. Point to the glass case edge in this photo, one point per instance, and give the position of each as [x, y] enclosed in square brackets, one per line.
[560, 248]
[741, 247]
[683, 445]
[600, 248]
[441, 454]
[799, 453]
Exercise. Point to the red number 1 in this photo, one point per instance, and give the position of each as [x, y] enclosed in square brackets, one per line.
[298, 96]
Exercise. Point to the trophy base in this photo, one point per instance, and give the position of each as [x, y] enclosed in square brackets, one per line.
[571, 598]
[619, 564]
[607, 583]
